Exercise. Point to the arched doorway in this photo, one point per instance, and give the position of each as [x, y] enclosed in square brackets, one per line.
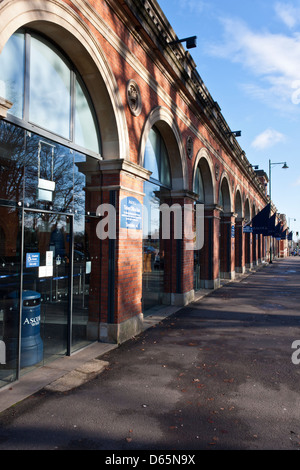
[50, 144]
[255, 239]
[239, 236]
[248, 235]
[203, 187]
[162, 153]
[226, 241]
[157, 190]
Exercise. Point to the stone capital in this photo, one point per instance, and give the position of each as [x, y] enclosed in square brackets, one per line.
[5, 106]
[118, 165]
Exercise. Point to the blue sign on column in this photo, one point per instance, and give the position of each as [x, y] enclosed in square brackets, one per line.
[32, 260]
[131, 213]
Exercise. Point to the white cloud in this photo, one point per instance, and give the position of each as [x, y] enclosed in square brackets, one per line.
[268, 138]
[273, 58]
[288, 13]
[195, 6]
[297, 182]
[264, 53]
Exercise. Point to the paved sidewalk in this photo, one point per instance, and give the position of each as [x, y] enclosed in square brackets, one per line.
[217, 374]
[66, 373]
[43, 376]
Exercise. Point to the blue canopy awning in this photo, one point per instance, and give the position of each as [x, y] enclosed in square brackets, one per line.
[260, 223]
[284, 235]
[278, 231]
[271, 228]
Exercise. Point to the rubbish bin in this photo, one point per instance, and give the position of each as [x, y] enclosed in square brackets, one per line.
[31, 341]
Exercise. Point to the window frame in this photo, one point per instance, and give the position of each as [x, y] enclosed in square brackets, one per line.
[158, 157]
[199, 181]
[25, 123]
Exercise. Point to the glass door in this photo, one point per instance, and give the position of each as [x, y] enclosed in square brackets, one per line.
[154, 250]
[10, 277]
[197, 269]
[46, 295]
[86, 283]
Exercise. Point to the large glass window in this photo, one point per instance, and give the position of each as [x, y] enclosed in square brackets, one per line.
[12, 73]
[49, 251]
[50, 90]
[156, 158]
[61, 252]
[85, 133]
[10, 275]
[199, 187]
[51, 94]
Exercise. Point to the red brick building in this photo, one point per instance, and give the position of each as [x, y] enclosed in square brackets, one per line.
[105, 113]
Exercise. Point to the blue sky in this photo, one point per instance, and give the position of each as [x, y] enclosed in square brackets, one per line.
[248, 54]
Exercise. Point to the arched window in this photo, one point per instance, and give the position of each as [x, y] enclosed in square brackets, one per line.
[156, 158]
[12, 73]
[46, 91]
[224, 196]
[221, 199]
[199, 187]
[199, 190]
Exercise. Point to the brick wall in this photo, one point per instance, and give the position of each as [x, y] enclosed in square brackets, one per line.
[123, 46]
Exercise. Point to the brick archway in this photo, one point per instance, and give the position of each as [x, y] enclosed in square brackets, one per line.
[206, 273]
[227, 221]
[165, 122]
[248, 236]
[204, 163]
[61, 24]
[239, 235]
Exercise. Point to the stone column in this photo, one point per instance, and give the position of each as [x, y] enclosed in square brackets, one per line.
[179, 252]
[121, 314]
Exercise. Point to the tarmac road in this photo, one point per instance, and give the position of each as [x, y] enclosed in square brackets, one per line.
[216, 375]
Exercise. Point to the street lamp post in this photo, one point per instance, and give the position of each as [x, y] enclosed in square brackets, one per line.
[270, 191]
[290, 221]
[291, 245]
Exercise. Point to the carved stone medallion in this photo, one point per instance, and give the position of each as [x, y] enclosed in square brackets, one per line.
[190, 146]
[134, 99]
